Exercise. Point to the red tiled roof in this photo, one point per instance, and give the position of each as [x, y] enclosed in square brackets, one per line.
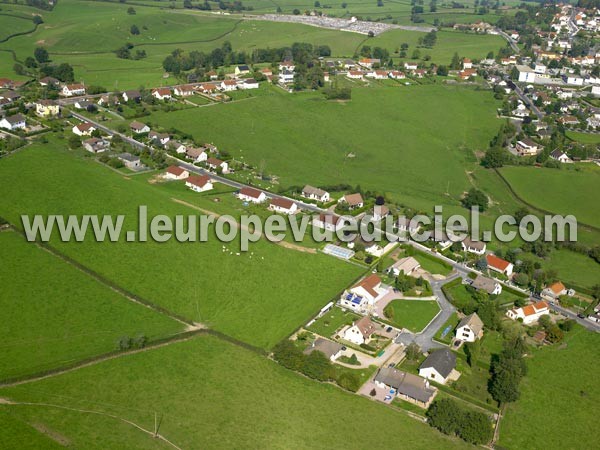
[198, 180]
[498, 263]
[282, 203]
[175, 170]
[250, 192]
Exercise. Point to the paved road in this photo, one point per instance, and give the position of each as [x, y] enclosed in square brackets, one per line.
[510, 41]
[424, 338]
[539, 114]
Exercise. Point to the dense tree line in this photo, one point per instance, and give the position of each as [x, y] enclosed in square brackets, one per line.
[450, 418]
[508, 368]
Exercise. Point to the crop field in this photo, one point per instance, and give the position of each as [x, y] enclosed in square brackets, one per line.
[70, 36]
[414, 315]
[207, 282]
[566, 375]
[331, 142]
[55, 314]
[556, 190]
[199, 389]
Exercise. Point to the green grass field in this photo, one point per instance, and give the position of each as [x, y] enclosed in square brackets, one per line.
[431, 264]
[332, 321]
[259, 296]
[583, 138]
[569, 190]
[414, 315]
[16, 433]
[561, 383]
[89, 45]
[211, 394]
[55, 314]
[392, 138]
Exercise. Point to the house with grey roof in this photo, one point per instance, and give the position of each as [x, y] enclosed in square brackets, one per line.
[131, 161]
[488, 285]
[315, 193]
[408, 387]
[331, 349]
[439, 366]
[470, 328]
[16, 122]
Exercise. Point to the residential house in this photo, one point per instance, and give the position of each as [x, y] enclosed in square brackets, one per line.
[228, 85]
[132, 96]
[361, 331]
[407, 266]
[159, 138]
[355, 74]
[554, 291]
[314, 193]
[378, 74]
[47, 108]
[49, 81]
[82, 104]
[12, 123]
[108, 100]
[369, 63]
[467, 74]
[397, 75]
[410, 65]
[176, 146]
[283, 206]
[84, 129]
[407, 386]
[499, 265]
[438, 366]
[352, 200]
[574, 80]
[162, 93]
[212, 75]
[185, 90]
[196, 154]
[70, 90]
[467, 63]
[215, 163]
[470, 328]
[208, 88]
[560, 156]
[249, 83]
[96, 145]
[139, 128]
[527, 147]
[287, 65]
[131, 161]
[332, 350]
[329, 222]
[285, 77]
[241, 70]
[405, 224]
[364, 294]
[251, 195]
[477, 247]
[199, 183]
[529, 314]
[11, 96]
[380, 212]
[568, 120]
[176, 173]
[488, 285]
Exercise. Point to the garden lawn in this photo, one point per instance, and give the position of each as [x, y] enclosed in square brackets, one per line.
[413, 315]
[431, 264]
[258, 296]
[446, 332]
[332, 321]
[201, 387]
[559, 397]
[54, 314]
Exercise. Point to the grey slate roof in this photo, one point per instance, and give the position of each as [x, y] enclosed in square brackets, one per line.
[484, 283]
[473, 322]
[405, 383]
[443, 361]
[328, 348]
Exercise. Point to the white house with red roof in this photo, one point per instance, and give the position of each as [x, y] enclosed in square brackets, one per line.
[283, 205]
[251, 195]
[196, 154]
[185, 90]
[162, 93]
[199, 183]
[499, 265]
[554, 291]
[361, 331]
[69, 90]
[84, 129]
[364, 294]
[228, 85]
[329, 222]
[176, 173]
[529, 314]
[215, 163]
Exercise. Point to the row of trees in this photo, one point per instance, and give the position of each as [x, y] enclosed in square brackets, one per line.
[450, 418]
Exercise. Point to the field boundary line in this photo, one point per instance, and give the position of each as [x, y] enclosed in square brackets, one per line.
[89, 411]
[536, 208]
[111, 285]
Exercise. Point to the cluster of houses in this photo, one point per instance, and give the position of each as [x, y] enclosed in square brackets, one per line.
[197, 183]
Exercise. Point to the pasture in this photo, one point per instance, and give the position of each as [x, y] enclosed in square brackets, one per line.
[414, 315]
[259, 296]
[86, 35]
[568, 190]
[565, 375]
[211, 394]
[380, 140]
[55, 314]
